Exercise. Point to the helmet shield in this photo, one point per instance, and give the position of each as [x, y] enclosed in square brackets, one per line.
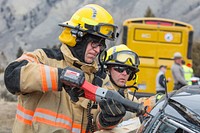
[125, 58]
[107, 31]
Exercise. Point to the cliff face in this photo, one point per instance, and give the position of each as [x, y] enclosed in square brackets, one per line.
[34, 24]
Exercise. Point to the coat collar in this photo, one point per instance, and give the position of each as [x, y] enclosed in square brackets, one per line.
[71, 60]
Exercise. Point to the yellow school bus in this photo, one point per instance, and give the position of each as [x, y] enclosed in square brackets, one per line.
[156, 40]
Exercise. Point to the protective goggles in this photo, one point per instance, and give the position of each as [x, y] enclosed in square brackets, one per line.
[121, 69]
[125, 57]
[98, 44]
[105, 30]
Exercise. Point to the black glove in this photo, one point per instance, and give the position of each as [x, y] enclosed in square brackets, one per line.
[142, 111]
[111, 112]
[74, 93]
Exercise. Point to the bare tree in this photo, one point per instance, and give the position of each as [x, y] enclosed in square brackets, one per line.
[149, 13]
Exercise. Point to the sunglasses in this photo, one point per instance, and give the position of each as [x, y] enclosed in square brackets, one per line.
[121, 69]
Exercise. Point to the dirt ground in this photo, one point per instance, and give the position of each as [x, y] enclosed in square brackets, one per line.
[7, 116]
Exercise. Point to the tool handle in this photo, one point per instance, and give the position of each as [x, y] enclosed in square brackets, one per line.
[129, 105]
[96, 93]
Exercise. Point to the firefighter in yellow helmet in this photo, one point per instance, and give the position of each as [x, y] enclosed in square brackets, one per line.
[121, 65]
[92, 24]
[44, 105]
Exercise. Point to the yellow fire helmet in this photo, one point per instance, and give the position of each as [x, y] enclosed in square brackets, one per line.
[123, 56]
[92, 19]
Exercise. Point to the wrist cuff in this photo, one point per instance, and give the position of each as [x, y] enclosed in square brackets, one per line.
[102, 124]
[60, 84]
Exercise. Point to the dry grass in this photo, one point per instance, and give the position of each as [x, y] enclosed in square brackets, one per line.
[4, 94]
[7, 116]
[7, 108]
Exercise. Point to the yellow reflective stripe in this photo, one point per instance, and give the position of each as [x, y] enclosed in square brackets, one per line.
[48, 77]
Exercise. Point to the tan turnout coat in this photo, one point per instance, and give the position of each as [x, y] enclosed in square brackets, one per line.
[43, 105]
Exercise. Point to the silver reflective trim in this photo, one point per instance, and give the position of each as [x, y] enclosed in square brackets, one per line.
[63, 121]
[48, 77]
[76, 130]
[52, 118]
[26, 116]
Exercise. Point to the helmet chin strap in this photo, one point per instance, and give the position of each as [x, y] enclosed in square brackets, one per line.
[102, 61]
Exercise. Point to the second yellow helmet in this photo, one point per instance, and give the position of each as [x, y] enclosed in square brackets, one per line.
[122, 55]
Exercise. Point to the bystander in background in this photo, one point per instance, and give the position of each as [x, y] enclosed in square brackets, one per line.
[161, 79]
[177, 72]
[188, 72]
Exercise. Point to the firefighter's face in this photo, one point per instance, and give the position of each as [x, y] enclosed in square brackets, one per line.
[120, 76]
[92, 50]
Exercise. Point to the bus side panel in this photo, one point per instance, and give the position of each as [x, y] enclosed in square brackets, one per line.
[142, 40]
[156, 44]
[139, 40]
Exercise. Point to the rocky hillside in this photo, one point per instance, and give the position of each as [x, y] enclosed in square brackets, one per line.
[34, 24]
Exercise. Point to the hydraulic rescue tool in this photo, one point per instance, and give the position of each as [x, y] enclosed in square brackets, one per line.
[75, 78]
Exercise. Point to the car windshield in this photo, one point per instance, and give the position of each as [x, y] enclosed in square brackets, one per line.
[187, 113]
[184, 101]
[166, 128]
[181, 113]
